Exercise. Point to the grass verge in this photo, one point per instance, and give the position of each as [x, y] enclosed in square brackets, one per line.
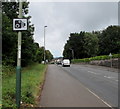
[31, 80]
[0, 86]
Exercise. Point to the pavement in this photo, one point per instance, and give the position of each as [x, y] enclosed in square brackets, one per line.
[63, 90]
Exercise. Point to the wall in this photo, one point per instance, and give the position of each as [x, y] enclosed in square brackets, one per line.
[115, 63]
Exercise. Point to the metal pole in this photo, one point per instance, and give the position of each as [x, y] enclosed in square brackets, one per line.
[44, 46]
[73, 53]
[111, 61]
[18, 69]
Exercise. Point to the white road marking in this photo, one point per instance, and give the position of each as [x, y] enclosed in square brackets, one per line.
[105, 76]
[98, 97]
[110, 77]
[92, 72]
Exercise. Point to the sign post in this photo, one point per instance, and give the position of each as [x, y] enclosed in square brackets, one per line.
[111, 59]
[19, 25]
[18, 69]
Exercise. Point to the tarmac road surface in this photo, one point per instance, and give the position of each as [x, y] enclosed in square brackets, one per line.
[64, 87]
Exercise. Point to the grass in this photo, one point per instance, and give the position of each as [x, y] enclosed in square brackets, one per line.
[0, 86]
[104, 57]
[32, 77]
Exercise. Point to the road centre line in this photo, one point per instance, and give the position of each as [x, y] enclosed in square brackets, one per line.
[106, 76]
[92, 72]
[109, 77]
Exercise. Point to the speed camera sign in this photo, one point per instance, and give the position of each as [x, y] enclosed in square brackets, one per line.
[19, 24]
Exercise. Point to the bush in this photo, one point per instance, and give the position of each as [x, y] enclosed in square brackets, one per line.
[104, 57]
[7, 70]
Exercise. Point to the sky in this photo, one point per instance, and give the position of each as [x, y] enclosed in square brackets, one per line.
[63, 18]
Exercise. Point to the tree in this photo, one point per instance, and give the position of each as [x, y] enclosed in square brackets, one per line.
[49, 56]
[31, 52]
[40, 54]
[83, 44]
[109, 40]
[9, 38]
[90, 44]
[9, 41]
[75, 42]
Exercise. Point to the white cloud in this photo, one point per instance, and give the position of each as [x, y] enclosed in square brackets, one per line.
[63, 18]
[73, 0]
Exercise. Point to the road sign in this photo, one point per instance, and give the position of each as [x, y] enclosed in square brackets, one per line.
[19, 24]
[110, 55]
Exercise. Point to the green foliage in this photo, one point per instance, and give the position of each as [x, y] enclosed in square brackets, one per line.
[83, 45]
[8, 91]
[32, 78]
[49, 56]
[31, 52]
[87, 44]
[7, 70]
[90, 45]
[109, 40]
[103, 57]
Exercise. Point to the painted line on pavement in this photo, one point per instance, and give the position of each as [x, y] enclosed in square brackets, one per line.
[98, 97]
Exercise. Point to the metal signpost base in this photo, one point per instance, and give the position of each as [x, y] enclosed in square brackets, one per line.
[18, 86]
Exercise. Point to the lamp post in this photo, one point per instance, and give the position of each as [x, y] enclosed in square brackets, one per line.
[44, 46]
[72, 52]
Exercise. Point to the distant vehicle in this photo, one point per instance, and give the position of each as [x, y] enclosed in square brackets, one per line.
[58, 62]
[52, 62]
[66, 62]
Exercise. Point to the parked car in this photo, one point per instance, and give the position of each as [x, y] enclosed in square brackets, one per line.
[66, 62]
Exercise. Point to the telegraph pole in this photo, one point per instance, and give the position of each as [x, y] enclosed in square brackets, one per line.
[18, 69]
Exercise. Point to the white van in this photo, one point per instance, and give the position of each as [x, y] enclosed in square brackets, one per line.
[66, 62]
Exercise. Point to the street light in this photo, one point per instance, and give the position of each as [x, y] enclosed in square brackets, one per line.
[44, 45]
[72, 52]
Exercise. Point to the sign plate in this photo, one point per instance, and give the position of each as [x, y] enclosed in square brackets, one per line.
[19, 24]
[110, 55]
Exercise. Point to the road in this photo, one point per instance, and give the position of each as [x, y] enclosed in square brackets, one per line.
[80, 86]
